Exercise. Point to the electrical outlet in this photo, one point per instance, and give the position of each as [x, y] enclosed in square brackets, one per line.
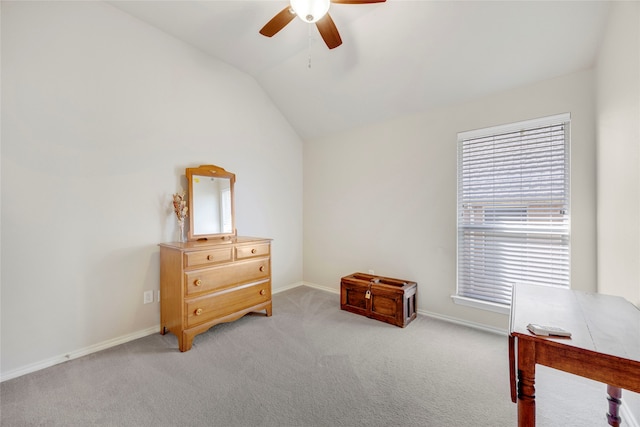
[371, 272]
[147, 297]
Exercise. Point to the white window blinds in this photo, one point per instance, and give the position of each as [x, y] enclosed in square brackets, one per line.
[513, 208]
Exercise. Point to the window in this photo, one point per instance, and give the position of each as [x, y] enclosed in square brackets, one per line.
[225, 210]
[513, 210]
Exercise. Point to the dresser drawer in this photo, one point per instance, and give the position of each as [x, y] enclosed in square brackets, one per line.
[250, 251]
[227, 275]
[220, 304]
[211, 256]
[247, 271]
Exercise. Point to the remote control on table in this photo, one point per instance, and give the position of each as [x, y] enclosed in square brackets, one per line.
[548, 330]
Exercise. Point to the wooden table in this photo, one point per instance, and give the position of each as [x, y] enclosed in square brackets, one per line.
[604, 346]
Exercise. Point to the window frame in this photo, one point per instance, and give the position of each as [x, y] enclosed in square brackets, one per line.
[494, 131]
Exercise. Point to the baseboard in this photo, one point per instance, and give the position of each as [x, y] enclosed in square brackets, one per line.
[97, 347]
[286, 287]
[467, 323]
[78, 353]
[322, 288]
[426, 313]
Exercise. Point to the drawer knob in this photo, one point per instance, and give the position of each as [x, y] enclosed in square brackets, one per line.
[209, 257]
[198, 312]
[198, 282]
[262, 268]
[253, 251]
[262, 292]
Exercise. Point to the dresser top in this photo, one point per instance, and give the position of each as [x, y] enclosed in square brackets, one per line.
[204, 244]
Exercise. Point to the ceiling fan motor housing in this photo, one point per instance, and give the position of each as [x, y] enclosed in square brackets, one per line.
[310, 10]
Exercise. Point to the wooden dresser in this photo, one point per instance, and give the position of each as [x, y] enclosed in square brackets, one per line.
[203, 283]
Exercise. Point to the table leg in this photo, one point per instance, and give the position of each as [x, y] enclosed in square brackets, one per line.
[526, 383]
[614, 398]
[512, 369]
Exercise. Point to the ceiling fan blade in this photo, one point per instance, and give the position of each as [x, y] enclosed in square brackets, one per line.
[357, 1]
[278, 22]
[329, 32]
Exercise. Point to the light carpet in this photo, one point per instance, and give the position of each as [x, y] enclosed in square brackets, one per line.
[310, 364]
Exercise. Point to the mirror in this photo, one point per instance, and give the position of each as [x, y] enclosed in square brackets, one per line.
[211, 203]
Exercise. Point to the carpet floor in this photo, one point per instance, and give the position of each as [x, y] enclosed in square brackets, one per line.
[310, 364]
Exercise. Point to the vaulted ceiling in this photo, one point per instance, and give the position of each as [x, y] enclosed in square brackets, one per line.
[397, 57]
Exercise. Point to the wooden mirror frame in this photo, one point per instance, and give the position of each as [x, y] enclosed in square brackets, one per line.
[214, 172]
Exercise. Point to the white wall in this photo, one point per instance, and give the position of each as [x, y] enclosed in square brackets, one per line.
[101, 114]
[618, 148]
[618, 94]
[383, 197]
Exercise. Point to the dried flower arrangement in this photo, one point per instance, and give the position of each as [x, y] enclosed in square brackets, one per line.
[180, 206]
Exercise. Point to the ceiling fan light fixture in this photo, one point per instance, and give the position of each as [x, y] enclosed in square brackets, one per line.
[310, 10]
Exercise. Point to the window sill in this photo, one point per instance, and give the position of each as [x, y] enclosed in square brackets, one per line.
[482, 305]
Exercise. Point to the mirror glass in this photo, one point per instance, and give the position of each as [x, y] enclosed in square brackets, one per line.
[211, 202]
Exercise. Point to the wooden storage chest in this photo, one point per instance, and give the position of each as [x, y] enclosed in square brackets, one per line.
[381, 298]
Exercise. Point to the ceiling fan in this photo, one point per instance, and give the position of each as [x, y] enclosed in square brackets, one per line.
[311, 11]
